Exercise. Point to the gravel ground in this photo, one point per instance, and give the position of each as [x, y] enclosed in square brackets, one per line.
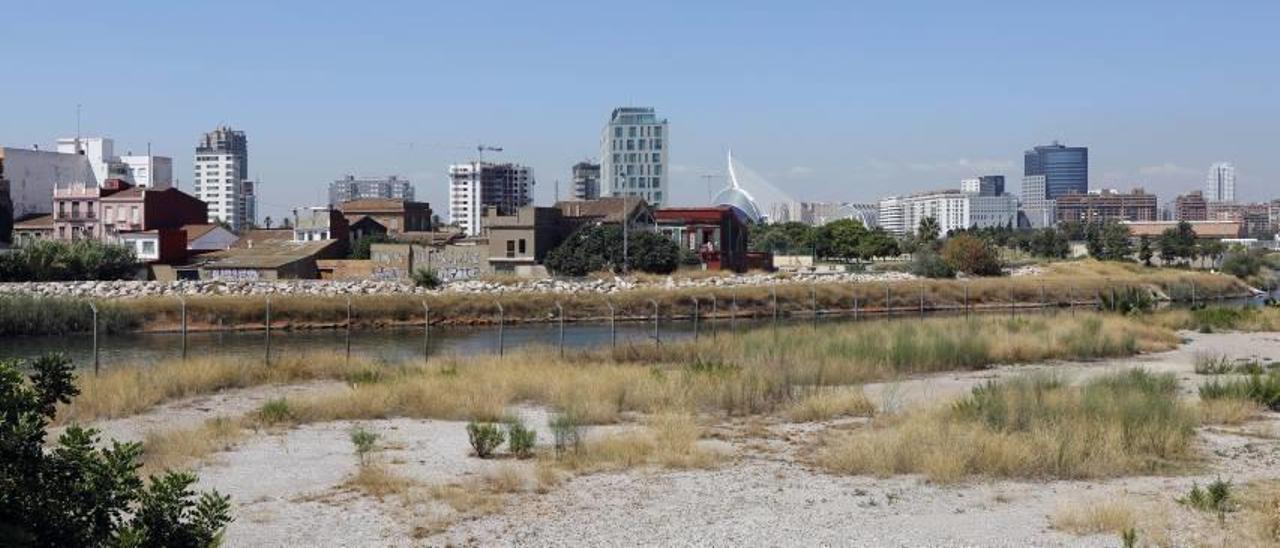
[284, 483]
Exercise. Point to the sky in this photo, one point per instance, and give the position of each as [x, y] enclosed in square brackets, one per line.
[840, 101]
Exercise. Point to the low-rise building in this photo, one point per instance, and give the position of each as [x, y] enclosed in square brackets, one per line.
[519, 242]
[313, 224]
[33, 173]
[718, 235]
[208, 237]
[367, 217]
[609, 210]
[77, 209]
[34, 228]
[1106, 205]
[1208, 230]
[266, 255]
[1256, 217]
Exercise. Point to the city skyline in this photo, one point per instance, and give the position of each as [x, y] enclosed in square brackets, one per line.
[860, 127]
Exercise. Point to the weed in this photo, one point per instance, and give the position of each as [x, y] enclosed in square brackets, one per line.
[1215, 498]
[1208, 363]
[484, 438]
[567, 431]
[520, 438]
[364, 442]
[275, 411]
[1263, 389]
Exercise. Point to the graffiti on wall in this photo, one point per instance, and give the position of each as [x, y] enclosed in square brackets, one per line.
[234, 274]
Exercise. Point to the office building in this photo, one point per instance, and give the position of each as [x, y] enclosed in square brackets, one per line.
[1220, 185]
[1039, 210]
[1065, 169]
[32, 175]
[139, 170]
[986, 185]
[475, 186]
[221, 174]
[1190, 207]
[953, 209]
[1106, 205]
[633, 155]
[351, 188]
[586, 181]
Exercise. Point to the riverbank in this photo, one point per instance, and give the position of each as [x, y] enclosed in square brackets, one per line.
[1054, 285]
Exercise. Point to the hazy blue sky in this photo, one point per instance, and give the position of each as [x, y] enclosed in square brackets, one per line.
[830, 100]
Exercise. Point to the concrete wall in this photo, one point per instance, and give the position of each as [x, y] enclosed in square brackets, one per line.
[32, 175]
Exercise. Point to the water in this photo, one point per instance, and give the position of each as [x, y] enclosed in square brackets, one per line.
[389, 345]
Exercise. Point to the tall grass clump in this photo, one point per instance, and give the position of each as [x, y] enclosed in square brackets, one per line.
[1263, 389]
[1033, 426]
[1216, 318]
[22, 315]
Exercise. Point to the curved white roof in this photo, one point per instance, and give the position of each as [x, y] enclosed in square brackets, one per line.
[737, 197]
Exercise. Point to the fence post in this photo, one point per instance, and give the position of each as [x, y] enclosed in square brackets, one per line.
[855, 307]
[733, 312]
[657, 335]
[695, 319]
[268, 325]
[184, 327]
[1193, 294]
[1071, 299]
[714, 310]
[613, 324]
[813, 302]
[426, 332]
[560, 320]
[501, 321]
[94, 308]
[348, 330]
[966, 299]
[1042, 303]
[888, 300]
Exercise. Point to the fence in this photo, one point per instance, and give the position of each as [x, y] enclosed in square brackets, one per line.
[868, 302]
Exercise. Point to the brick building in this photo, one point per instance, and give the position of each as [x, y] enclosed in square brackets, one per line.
[1107, 205]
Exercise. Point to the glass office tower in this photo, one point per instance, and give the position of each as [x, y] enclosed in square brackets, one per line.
[1065, 169]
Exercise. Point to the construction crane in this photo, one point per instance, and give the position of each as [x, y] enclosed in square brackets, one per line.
[481, 148]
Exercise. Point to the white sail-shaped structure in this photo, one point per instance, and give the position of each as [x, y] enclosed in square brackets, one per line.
[737, 197]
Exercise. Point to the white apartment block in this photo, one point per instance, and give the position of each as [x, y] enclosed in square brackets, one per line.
[953, 209]
[221, 178]
[1039, 209]
[477, 185]
[140, 170]
[33, 174]
[1220, 185]
[633, 155]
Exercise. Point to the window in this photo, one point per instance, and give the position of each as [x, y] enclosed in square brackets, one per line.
[522, 246]
[631, 131]
[657, 158]
[148, 247]
[617, 131]
[657, 144]
[657, 131]
[511, 249]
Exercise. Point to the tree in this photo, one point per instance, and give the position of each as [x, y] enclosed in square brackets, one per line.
[841, 239]
[1144, 250]
[360, 249]
[267, 222]
[929, 231]
[597, 248]
[1108, 241]
[878, 243]
[790, 238]
[971, 255]
[1048, 243]
[76, 493]
[1178, 243]
[927, 263]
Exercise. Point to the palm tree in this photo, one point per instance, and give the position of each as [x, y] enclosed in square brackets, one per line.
[929, 230]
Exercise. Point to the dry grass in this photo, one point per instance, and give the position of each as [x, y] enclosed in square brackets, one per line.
[1221, 319]
[378, 481]
[1030, 427]
[1260, 513]
[668, 440]
[180, 448]
[131, 390]
[1112, 515]
[824, 405]
[1229, 411]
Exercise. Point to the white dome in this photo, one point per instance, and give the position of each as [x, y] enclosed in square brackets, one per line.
[739, 199]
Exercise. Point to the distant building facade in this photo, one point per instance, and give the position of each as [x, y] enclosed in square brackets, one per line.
[634, 150]
[1038, 210]
[1107, 205]
[475, 186]
[1220, 184]
[351, 188]
[388, 216]
[32, 175]
[953, 209]
[1190, 207]
[221, 174]
[810, 213]
[586, 181]
[1065, 169]
[986, 185]
[139, 170]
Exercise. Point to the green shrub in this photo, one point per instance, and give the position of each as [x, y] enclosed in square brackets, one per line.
[1263, 389]
[1211, 319]
[567, 431]
[1207, 363]
[927, 263]
[971, 255]
[80, 492]
[57, 260]
[1216, 498]
[1129, 300]
[423, 277]
[596, 248]
[484, 438]
[275, 411]
[364, 442]
[520, 439]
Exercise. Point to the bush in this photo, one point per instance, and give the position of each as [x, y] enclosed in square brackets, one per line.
[1216, 498]
[484, 438]
[1129, 300]
[520, 439]
[970, 255]
[26, 315]
[56, 260]
[927, 263]
[426, 278]
[275, 411]
[1263, 389]
[78, 492]
[596, 248]
[364, 442]
[568, 432]
[360, 249]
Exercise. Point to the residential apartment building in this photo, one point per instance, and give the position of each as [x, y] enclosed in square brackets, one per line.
[1220, 185]
[1038, 210]
[1065, 169]
[351, 188]
[1106, 205]
[810, 213]
[586, 181]
[476, 186]
[221, 174]
[634, 150]
[986, 185]
[953, 209]
[1190, 207]
[77, 211]
[139, 170]
[32, 175]
[1256, 217]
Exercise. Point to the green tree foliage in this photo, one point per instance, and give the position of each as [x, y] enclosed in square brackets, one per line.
[597, 248]
[1243, 263]
[1144, 250]
[791, 238]
[78, 492]
[841, 239]
[56, 260]
[929, 264]
[1178, 244]
[971, 255]
[1108, 241]
[360, 249]
[929, 231]
[878, 243]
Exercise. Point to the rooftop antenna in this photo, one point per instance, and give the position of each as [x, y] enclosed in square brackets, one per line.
[557, 190]
[78, 149]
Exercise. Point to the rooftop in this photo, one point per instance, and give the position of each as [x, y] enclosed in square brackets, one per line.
[607, 209]
[268, 253]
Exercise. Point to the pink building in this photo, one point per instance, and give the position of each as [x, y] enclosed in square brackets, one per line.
[77, 210]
